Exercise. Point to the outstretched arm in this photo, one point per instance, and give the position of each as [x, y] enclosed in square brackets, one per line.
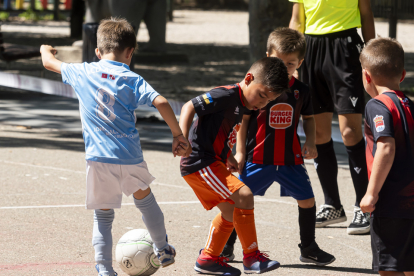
[367, 20]
[297, 21]
[383, 160]
[180, 146]
[48, 58]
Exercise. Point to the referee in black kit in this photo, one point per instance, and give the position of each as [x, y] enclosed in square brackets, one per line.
[333, 72]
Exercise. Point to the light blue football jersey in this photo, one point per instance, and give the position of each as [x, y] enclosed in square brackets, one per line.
[108, 93]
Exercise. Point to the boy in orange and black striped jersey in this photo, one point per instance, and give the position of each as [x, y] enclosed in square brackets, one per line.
[389, 132]
[269, 142]
[208, 168]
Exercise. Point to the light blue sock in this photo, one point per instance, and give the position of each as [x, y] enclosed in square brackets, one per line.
[153, 219]
[102, 240]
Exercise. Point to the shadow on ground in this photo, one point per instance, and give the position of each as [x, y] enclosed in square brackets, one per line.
[331, 268]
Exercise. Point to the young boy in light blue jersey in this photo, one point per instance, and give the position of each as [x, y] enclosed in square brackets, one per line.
[108, 93]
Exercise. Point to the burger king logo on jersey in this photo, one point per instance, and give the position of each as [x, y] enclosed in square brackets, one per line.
[233, 136]
[281, 116]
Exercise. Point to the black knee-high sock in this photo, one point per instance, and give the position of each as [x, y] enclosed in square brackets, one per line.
[358, 168]
[327, 169]
[307, 220]
[232, 239]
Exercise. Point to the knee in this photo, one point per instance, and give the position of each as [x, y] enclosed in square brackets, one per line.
[322, 136]
[351, 135]
[307, 203]
[246, 199]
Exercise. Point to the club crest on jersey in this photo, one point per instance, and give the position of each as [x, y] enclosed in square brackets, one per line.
[379, 123]
[353, 100]
[233, 136]
[207, 98]
[281, 116]
[104, 76]
[296, 94]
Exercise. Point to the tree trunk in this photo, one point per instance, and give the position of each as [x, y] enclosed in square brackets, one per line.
[264, 17]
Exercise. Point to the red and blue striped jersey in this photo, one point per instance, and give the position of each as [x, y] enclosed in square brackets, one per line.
[391, 115]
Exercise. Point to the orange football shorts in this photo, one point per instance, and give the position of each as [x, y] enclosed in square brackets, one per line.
[213, 184]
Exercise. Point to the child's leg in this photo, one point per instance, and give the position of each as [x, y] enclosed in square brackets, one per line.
[220, 230]
[152, 217]
[307, 220]
[222, 225]
[243, 219]
[102, 239]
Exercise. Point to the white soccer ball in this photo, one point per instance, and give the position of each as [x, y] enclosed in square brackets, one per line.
[135, 254]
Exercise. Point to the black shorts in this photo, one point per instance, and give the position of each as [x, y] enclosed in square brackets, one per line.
[392, 243]
[333, 71]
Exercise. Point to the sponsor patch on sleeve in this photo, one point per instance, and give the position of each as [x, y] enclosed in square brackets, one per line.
[379, 123]
[207, 98]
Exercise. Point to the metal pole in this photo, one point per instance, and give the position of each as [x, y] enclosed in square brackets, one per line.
[393, 20]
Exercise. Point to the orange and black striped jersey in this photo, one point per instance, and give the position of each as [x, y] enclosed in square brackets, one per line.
[391, 114]
[272, 137]
[213, 134]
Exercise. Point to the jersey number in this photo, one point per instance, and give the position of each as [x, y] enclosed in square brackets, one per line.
[105, 107]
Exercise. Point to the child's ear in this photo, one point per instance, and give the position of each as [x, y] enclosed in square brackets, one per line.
[300, 63]
[404, 73]
[367, 76]
[97, 53]
[248, 78]
[129, 52]
[267, 54]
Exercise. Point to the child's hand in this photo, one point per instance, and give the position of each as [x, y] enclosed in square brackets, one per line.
[240, 158]
[309, 150]
[232, 164]
[181, 146]
[367, 203]
[47, 49]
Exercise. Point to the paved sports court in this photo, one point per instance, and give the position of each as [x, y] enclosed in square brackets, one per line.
[45, 229]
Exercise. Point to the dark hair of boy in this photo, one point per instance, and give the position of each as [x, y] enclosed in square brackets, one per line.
[115, 35]
[383, 58]
[272, 73]
[286, 41]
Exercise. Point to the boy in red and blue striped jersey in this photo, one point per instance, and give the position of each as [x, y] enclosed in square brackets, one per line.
[389, 132]
[269, 142]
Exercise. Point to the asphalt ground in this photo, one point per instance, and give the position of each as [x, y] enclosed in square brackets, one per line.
[45, 229]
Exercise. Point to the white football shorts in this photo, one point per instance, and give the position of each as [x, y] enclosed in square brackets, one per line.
[105, 183]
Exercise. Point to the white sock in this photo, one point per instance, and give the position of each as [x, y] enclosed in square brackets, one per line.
[153, 219]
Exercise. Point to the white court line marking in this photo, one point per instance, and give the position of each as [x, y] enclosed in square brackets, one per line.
[38, 166]
[257, 199]
[83, 205]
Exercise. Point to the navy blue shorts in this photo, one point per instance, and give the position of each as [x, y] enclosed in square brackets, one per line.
[294, 180]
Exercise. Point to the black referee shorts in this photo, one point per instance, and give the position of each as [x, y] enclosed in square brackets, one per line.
[333, 72]
[392, 243]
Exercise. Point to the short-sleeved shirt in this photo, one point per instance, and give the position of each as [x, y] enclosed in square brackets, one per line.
[391, 114]
[272, 137]
[213, 134]
[330, 16]
[108, 93]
